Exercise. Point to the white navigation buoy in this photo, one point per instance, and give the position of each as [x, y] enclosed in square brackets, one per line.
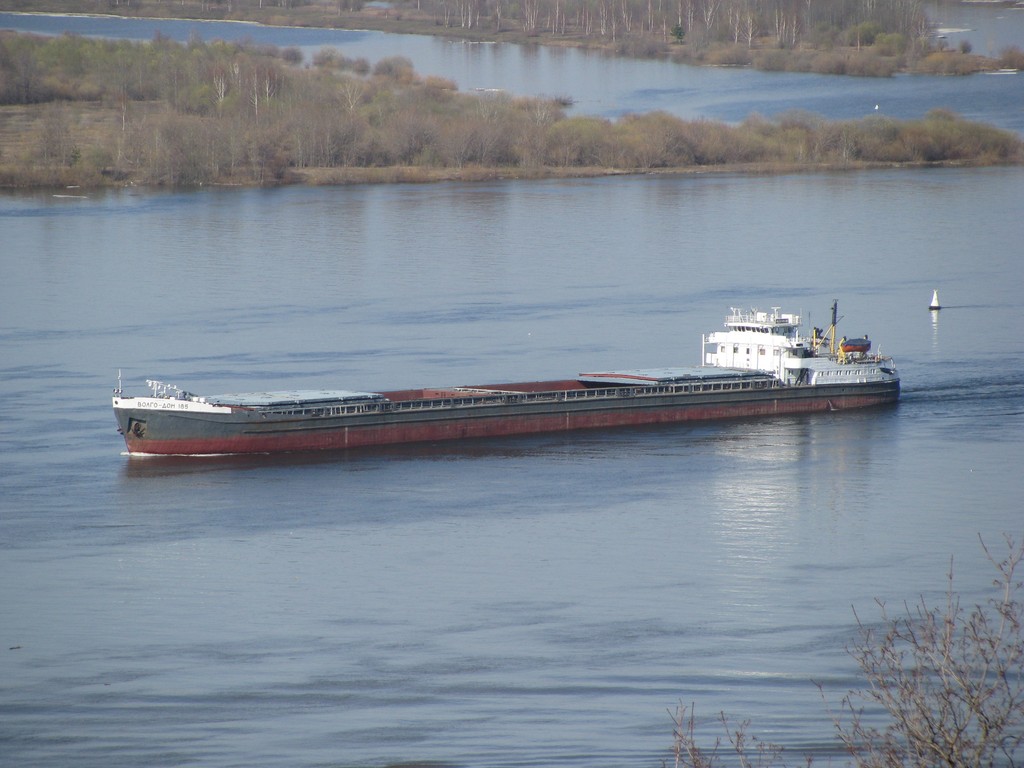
[935, 302]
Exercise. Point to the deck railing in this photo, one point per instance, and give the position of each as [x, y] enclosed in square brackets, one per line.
[509, 398]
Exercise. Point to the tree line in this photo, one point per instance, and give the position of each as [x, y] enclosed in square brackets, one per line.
[160, 112]
[851, 37]
[786, 22]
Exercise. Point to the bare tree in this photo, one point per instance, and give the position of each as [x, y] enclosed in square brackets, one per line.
[748, 751]
[28, 74]
[531, 15]
[947, 680]
[352, 92]
[55, 146]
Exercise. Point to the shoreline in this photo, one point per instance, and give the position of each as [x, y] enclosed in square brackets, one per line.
[341, 177]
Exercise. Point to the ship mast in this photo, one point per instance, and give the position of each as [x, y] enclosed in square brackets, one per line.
[830, 334]
[832, 328]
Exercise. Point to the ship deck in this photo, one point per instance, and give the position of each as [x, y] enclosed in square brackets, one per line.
[282, 398]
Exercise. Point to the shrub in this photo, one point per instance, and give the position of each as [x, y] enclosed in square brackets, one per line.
[654, 140]
[577, 141]
[771, 60]
[326, 57]
[1011, 58]
[292, 55]
[890, 44]
[871, 65]
[641, 48]
[829, 64]
[950, 63]
[864, 33]
[395, 67]
[729, 56]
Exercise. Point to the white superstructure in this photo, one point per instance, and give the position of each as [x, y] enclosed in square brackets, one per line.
[771, 342]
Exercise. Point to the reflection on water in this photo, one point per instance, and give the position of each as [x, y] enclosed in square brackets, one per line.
[783, 474]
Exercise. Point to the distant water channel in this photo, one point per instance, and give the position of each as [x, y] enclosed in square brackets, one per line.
[611, 87]
[541, 601]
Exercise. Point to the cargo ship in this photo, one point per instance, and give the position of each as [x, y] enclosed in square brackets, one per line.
[760, 365]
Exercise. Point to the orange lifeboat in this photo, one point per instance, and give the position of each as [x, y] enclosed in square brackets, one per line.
[849, 346]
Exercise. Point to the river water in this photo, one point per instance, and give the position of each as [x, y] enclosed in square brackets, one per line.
[537, 601]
